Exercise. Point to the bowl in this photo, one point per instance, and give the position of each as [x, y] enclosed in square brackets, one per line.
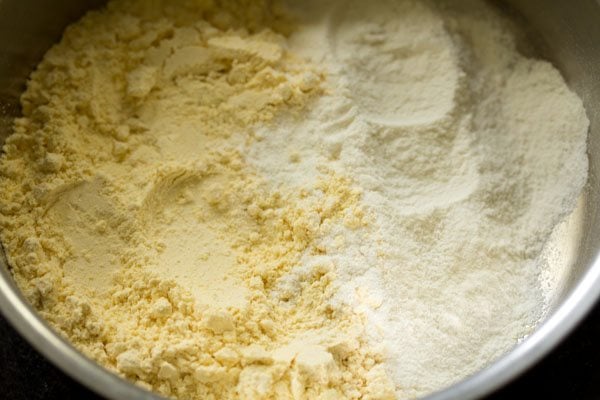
[567, 33]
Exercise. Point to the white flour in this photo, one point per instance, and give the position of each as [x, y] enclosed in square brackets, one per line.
[468, 154]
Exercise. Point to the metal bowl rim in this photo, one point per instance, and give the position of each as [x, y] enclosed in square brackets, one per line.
[59, 351]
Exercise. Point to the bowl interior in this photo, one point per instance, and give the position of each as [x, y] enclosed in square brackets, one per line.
[568, 36]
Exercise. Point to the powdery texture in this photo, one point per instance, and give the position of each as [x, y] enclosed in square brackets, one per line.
[135, 227]
[468, 153]
[415, 166]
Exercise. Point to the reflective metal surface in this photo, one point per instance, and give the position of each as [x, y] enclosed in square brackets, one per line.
[569, 35]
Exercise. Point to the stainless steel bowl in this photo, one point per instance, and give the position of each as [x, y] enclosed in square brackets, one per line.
[569, 35]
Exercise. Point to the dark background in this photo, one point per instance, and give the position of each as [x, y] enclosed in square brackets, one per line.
[572, 371]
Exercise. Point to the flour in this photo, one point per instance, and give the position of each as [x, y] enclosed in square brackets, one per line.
[213, 201]
[468, 154]
[136, 228]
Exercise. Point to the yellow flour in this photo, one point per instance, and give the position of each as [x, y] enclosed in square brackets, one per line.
[134, 225]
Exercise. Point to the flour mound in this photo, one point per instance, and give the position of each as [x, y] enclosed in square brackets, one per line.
[468, 154]
[134, 225]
